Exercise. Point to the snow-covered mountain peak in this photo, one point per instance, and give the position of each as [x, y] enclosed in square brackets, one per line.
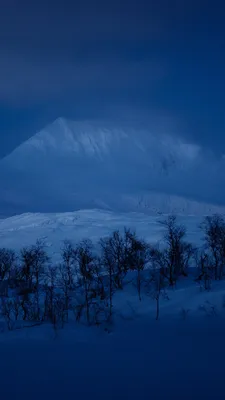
[103, 141]
[70, 164]
[64, 137]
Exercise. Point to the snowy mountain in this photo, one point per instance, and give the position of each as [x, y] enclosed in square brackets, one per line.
[70, 165]
[69, 138]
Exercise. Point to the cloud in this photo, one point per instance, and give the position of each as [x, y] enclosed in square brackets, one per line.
[24, 80]
[49, 49]
[78, 21]
[87, 59]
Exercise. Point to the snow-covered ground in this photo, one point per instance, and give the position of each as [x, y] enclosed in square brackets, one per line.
[173, 358]
[181, 356]
[25, 229]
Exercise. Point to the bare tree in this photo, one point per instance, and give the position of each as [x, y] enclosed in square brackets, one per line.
[214, 236]
[10, 310]
[16, 307]
[7, 312]
[59, 312]
[118, 251]
[50, 291]
[137, 257]
[40, 259]
[157, 287]
[26, 306]
[204, 268]
[68, 254]
[34, 260]
[7, 263]
[85, 262]
[108, 263]
[99, 278]
[178, 252]
[64, 285]
[27, 264]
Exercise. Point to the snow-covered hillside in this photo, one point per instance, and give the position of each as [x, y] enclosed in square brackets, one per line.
[24, 230]
[180, 356]
[76, 165]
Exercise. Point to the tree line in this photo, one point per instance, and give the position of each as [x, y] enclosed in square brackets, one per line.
[82, 286]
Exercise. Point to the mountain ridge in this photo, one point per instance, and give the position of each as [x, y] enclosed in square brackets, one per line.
[73, 136]
[71, 164]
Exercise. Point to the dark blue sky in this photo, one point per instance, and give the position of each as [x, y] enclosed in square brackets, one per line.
[113, 60]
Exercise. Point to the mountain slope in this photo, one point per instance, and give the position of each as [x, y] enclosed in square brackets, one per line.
[70, 165]
[84, 140]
